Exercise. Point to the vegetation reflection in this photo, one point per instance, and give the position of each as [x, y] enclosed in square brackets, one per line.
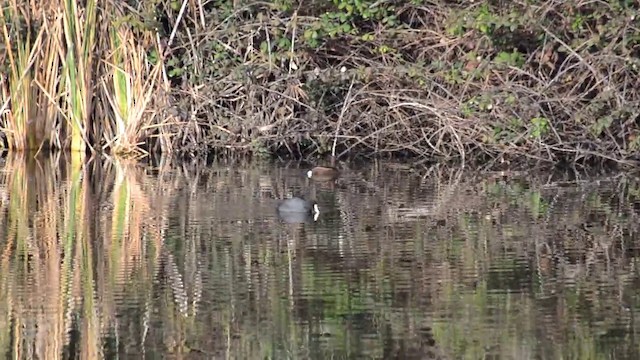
[113, 257]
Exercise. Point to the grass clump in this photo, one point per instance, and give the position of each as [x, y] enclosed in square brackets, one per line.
[78, 77]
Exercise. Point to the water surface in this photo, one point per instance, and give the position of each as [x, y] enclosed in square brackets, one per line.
[109, 258]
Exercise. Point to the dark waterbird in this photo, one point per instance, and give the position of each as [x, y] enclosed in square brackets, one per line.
[297, 210]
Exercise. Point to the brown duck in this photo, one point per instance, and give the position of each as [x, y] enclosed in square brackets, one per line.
[323, 173]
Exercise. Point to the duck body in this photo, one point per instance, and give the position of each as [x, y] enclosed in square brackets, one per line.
[323, 173]
[296, 210]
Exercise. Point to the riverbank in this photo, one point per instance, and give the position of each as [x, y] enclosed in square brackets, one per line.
[433, 81]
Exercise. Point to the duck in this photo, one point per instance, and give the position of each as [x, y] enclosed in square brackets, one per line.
[296, 210]
[323, 173]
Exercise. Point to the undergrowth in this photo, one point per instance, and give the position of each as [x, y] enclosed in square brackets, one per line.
[476, 82]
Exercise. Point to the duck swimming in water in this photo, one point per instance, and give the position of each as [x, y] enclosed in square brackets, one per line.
[323, 173]
[296, 210]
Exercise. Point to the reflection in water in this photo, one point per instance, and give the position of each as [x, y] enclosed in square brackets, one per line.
[115, 258]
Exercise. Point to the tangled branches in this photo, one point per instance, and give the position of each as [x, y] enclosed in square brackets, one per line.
[492, 82]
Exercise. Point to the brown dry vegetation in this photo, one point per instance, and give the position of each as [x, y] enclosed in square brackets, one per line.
[483, 82]
[498, 80]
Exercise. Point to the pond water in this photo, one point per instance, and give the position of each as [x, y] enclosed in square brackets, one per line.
[107, 259]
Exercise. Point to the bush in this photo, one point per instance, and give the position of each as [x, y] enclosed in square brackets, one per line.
[487, 82]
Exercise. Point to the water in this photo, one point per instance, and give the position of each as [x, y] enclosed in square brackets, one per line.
[121, 259]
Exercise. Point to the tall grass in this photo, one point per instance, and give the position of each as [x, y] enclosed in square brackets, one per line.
[61, 55]
[128, 88]
[47, 82]
[79, 36]
[17, 85]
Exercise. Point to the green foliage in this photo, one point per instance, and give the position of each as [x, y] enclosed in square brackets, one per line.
[175, 67]
[221, 59]
[331, 24]
[509, 131]
[260, 149]
[514, 58]
[284, 5]
[416, 72]
[505, 132]
[348, 17]
[153, 57]
[175, 4]
[374, 10]
[487, 20]
[539, 127]
[634, 143]
[480, 103]
[601, 125]
[454, 76]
